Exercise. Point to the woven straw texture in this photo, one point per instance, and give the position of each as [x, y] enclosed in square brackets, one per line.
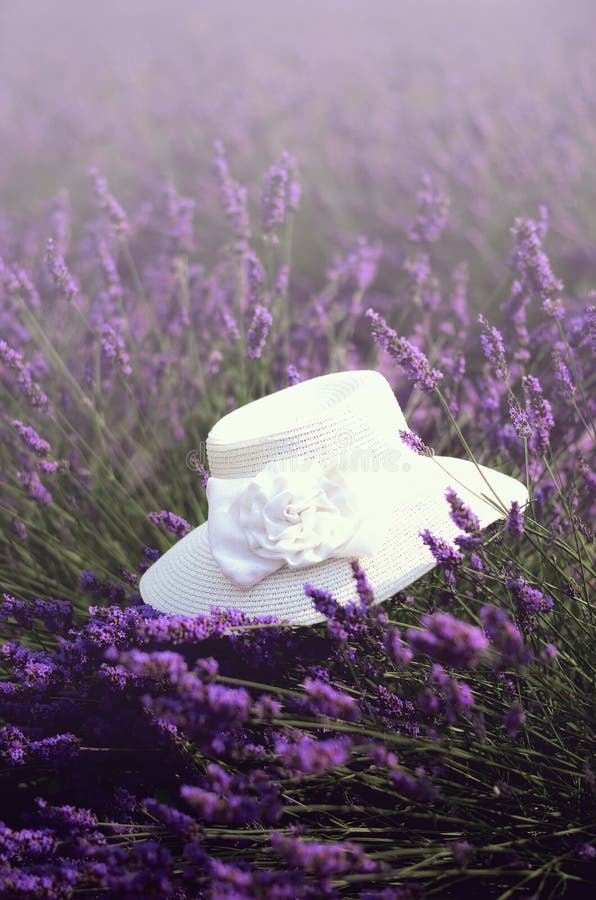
[325, 417]
[187, 580]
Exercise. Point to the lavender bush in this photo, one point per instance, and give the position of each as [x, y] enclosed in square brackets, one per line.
[167, 254]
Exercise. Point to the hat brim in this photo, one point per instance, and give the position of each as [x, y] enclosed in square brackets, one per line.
[187, 581]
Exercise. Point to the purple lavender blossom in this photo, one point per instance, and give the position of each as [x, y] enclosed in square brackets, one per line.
[294, 186]
[587, 851]
[30, 438]
[240, 879]
[321, 858]
[456, 695]
[447, 558]
[505, 637]
[55, 614]
[234, 799]
[163, 667]
[415, 443]
[31, 390]
[357, 620]
[179, 212]
[396, 649]
[258, 332]
[17, 749]
[23, 285]
[36, 490]
[293, 375]
[309, 756]
[67, 818]
[114, 349]
[410, 358]
[548, 654]
[433, 213]
[419, 271]
[62, 278]
[281, 192]
[396, 714]
[171, 522]
[233, 197]
[463, 853]
[407, 892]
[448, 641]
[494, 348]
[20, 529]
[563, 377]
[282, 280]
[173, 819]
[108, 203]
[514, 720]
[114, 592]
[273, 198]
[179, 629]
[417, 787]
[461, 514]
[323, 601]
[109, 271]
[327, 701]
[521, 420]
[514, 523]
[458, 298]
[214, 362]
[230, 324]
[540, 414]
[357, 269]
[533, 266]
[590, 319]
[529, 601]
[381, 756]
[255, 278]
[27, 842]
[50, 467]
[363, 587]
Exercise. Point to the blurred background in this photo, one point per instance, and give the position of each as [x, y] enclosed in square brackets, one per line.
[496, 99]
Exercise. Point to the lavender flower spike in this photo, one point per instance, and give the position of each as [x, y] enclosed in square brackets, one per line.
[61, 277]
[533, 266]
[540, 414]
[461, 514]
[108, 203]
[448, 641]
[433, 213]
[114, 349]
[176, 524]
[31, 439]
[275, 196]
[13, 360]
[494, 348]
[410, 358]
[258, 332]
[514, 523]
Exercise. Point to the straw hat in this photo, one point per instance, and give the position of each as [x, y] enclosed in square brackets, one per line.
[302, 482]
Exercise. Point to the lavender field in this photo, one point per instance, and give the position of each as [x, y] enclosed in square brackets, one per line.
[200, 204]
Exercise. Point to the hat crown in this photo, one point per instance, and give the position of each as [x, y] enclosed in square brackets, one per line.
[332, 417]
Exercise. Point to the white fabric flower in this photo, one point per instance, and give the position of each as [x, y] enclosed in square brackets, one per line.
[298, 517]
[295, 513]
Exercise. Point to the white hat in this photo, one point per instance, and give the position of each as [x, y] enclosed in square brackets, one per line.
[302, 482]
